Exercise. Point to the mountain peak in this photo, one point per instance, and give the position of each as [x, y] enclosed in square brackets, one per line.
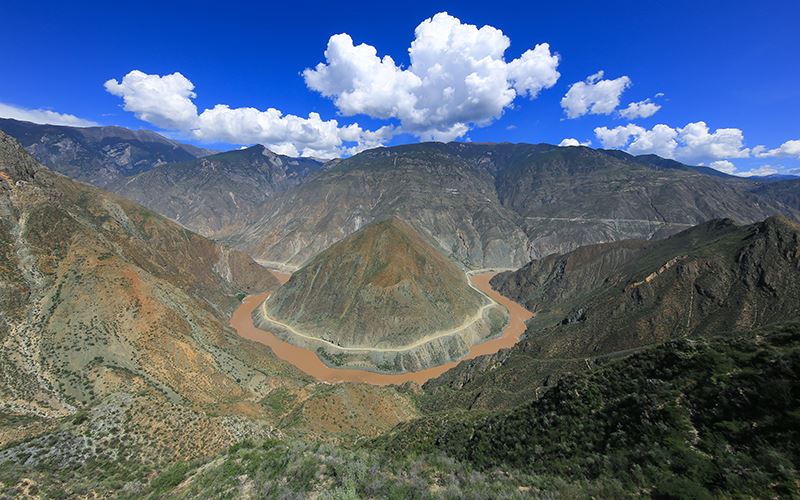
[384, 287]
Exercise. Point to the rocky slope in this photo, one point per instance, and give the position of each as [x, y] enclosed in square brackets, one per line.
[499, 205]
[384, 288]
[785, 191]
[608, 300]
[209, 195]
[113, 339]
[98, 155]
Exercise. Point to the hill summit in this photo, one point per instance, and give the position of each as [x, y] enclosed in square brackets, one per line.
[383, 298]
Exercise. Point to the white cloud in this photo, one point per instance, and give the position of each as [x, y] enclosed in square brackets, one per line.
[44, 116]
[458, 78]
[760, 171]
[641, 109]
[617, 137]
[594, 95]
[571, 141]
[166, 101]
[788, 148]
[723, 166]
[692, 143]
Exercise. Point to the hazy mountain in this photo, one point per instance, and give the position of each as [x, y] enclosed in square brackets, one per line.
[210, 194]
[98, 155]
[384, 287]
[785, 191]
[498, 205]
[608, 300]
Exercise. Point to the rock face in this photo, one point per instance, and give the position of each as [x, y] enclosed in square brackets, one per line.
[499, 205]
[212, 194]
[605, 301]
[387, 291]
[103, 300]
[98, 155]
[785, 191]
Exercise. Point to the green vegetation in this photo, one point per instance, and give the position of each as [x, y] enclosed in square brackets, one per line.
[337, 359]
[689, 419]
[289, 469]
[692, 417]
[279, 400]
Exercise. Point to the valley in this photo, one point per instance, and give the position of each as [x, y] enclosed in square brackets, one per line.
[308, 361]
[417, 312]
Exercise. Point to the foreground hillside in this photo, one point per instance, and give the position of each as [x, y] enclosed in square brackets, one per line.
[675, 421]
[499, 205]
[689, 419]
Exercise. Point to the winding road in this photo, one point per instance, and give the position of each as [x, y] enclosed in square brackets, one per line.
[308, 362]
[469, 321]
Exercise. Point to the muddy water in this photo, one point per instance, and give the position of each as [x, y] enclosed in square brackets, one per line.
[308, 361]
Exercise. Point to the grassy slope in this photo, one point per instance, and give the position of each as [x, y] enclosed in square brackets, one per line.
[691, 418]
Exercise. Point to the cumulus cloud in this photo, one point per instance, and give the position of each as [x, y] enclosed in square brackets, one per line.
[641, 109]
[763, 170]
[723, 166]
[166, 102]
[594, 95]
[693, 143]
[43, 116]
[788, 148]
[571, 141]
[458, 78]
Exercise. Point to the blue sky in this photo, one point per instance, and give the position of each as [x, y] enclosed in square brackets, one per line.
[731, 65]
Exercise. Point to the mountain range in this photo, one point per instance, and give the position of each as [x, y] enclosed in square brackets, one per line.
[661, 360]
[499, 205]
[98, 155]
[483, 205]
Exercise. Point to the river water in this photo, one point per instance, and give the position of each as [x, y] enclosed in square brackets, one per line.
[308, 362]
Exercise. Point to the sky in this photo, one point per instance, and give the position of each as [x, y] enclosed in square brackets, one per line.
[713, 83]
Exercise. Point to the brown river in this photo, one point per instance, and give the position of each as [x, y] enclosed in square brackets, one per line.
[307, 361]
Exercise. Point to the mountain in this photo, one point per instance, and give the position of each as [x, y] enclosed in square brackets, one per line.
[210, 194]
[98, 155]
[103, 300]
[785, 191]
[605, 301]
[497, 205]
[384, 287]
[114, 345]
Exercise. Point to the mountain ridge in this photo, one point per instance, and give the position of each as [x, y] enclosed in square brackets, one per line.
[498, 205]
